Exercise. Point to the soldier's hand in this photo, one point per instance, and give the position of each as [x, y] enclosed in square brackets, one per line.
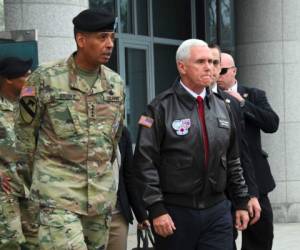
[5, 185]
[164, 225]
[241, 219]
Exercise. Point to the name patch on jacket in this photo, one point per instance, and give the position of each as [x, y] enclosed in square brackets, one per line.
[181, 127]
[223, 123]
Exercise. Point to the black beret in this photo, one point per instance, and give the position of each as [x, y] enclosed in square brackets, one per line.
[14, 67]
[93, 20]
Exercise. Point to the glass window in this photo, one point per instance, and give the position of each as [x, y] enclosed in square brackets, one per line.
[127, 20]
[2, 26]
[200, 19]
[165, 66]
[136, 87]
[227, 25]
[172, 19]
[142, 17]
[211, 23]
[108, 4]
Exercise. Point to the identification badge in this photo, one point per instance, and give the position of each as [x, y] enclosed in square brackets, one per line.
[181, 126]
[223, 123]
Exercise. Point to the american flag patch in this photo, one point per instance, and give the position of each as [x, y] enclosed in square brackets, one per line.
[146, 121]
[27, 91]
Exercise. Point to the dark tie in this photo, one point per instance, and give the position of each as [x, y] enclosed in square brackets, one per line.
[201, 115]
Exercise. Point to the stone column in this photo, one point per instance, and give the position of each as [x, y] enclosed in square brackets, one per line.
[52, 19]
[268, 52]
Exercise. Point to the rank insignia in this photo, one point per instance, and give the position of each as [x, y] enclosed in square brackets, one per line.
[181, 126]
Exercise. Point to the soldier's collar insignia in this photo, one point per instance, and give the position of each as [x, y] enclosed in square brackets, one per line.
[181, 127]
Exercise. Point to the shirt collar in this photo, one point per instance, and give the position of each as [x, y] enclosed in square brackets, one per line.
[195, 95]
[234, 87]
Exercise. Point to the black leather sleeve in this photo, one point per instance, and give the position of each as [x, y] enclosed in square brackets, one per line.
[146, 162]
[260, 111]
[236, 186]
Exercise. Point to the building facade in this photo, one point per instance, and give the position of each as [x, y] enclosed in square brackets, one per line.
[262, 36]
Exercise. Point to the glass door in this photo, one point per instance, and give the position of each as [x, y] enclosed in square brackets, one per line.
[135, 68]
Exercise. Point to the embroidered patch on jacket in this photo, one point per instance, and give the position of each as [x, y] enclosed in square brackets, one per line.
[223, 123]
[181, 126]
[28, 109]
[146, 121]
[27, 91]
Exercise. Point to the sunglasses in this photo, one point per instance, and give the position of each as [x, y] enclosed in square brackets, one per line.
[225, 70]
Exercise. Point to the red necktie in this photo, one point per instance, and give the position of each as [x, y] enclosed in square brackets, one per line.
[201, 115]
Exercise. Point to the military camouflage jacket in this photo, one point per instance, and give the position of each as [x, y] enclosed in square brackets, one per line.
[8, 155]
[69, 131]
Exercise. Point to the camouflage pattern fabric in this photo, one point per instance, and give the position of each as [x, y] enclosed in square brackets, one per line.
[8, 155]
[18, 215]
[71, 139]
[30, 223]
[62, 229]
[11, 234]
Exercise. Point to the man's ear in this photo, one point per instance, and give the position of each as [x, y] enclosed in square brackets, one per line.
[181, 67]
[80, 39]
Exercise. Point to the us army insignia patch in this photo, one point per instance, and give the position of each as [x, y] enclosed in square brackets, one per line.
[28, 104]
[28, 108]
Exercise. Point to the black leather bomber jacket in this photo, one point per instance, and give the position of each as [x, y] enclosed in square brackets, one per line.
[169, 156]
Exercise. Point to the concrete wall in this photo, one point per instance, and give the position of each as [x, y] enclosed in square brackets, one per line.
[52, 19]
[268, 57]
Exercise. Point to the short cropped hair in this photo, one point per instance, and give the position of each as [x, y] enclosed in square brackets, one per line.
[183, 51]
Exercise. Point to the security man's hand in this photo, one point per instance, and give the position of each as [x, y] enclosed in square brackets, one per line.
[164, 225]
[236, 95]
[5, 185]
[241, 219]
[254, 210]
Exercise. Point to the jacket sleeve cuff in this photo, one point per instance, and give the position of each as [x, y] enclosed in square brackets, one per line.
[157, 209]
[241, 203]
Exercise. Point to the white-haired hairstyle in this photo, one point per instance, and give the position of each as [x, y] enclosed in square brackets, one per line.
[183, 51]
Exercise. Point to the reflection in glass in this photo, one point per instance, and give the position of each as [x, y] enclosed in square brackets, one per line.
[136, 87]
[126, 7]
[142, 17]
[172, 19]
[227, 24]
[165, 66]
[2, 26]
[107, 4]
[211, 22]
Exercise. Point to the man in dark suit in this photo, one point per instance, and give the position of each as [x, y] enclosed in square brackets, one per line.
[127, 198]
[258, 116]
[246, 163]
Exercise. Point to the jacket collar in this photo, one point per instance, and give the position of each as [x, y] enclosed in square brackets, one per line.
[186, 98]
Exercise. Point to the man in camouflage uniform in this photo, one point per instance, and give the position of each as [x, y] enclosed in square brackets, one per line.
[18, 215]
[69, 124]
